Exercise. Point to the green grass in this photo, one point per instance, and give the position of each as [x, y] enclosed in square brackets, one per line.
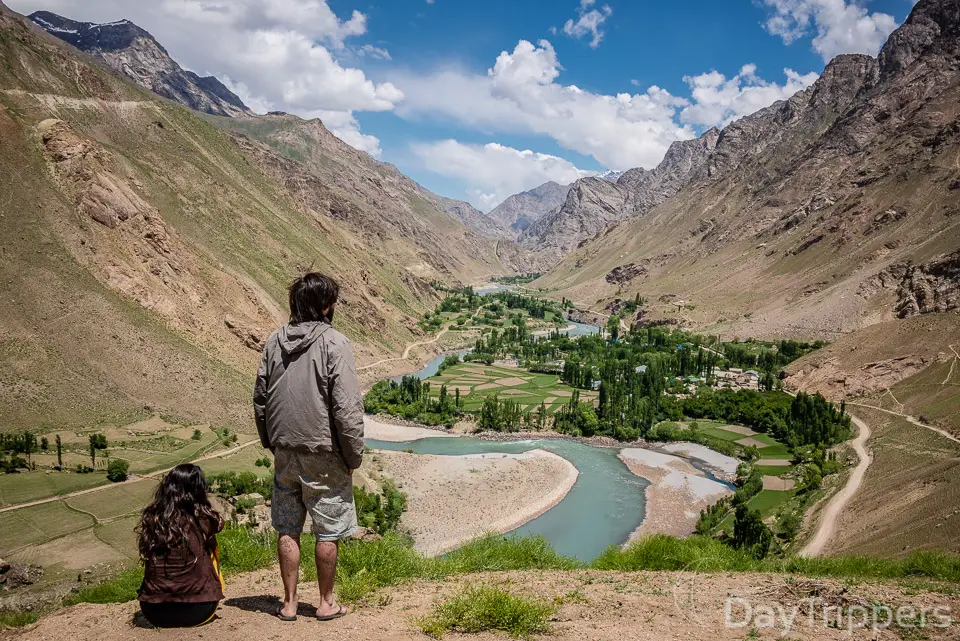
[365, 567]
[484, 608]
[18, 619]
[768, 501]
[120, 589]
[704, 554]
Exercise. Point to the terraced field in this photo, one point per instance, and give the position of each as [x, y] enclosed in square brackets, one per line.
[476, 381]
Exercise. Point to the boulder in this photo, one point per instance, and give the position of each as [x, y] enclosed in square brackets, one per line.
[365, 534]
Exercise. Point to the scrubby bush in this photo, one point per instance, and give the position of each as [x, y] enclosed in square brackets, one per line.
[118, 470]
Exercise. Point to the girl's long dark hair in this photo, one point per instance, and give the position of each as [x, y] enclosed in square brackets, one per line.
[179, 504]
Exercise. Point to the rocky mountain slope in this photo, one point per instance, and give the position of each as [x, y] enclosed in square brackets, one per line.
[832, 210]
[592, 204]
[519, 211]
[145, 252]
[132, 51]
[471, 217]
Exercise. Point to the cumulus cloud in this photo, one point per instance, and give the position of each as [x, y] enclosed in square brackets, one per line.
[495, 171]
[841, 26]
[589, 22]
[717, 100]
[277, 54]
[520, 94]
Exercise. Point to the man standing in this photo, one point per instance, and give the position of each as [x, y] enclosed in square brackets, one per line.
[309, 412]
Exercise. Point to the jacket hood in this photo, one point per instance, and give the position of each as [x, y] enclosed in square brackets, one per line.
[297, 338]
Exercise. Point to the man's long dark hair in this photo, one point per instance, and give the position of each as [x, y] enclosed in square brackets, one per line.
[310, 295]
[178, 505]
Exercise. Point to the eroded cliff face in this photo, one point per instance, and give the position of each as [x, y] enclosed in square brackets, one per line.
[923, 288]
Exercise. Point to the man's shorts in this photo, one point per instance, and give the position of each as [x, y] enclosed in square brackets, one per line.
[318, 483]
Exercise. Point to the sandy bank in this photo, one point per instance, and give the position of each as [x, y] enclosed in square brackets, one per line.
[721, 462]
[676, 494]
[381, 431]
[452, 499]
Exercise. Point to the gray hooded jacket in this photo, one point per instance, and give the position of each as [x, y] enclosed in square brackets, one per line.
[307, 396]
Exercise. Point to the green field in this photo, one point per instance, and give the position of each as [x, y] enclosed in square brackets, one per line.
[123, 499]
[37, 524]
[32, 486]
[476, 381]
[242, 461]
[771, 448]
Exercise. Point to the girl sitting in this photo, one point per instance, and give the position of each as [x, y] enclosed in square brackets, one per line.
[182, 585]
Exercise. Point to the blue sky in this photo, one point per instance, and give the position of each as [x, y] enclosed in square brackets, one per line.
[478, 100]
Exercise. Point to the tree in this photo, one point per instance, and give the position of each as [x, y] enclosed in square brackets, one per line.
[118, 470]
[97, 442]
[44, 443]
[59, 452]
[197, 435]
[750, 533]
[812, 478]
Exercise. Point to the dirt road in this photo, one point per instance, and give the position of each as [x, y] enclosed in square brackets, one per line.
[828, 520]
[910, 419]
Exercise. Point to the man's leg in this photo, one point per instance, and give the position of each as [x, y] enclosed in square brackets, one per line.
[288, 550]
[326, 557]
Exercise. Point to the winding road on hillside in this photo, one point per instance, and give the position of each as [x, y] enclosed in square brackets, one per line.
[828, 520]
[100, 488]
[411, 346]
[910, 419]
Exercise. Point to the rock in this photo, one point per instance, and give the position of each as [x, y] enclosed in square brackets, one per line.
[365, 534]
[19, 575]
[4, 567]
[256, 499]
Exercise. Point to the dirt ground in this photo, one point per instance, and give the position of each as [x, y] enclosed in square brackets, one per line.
[591, 605]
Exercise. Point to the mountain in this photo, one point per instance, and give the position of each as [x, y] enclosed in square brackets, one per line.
[471, 217]
[611, 174]
[145, 249]
[594, 203]
[519, 211]
[829, 211]
[133, 52]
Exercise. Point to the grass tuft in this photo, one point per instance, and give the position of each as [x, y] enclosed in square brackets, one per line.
[485, 608]
[18, 619]
[119, 589]
[500, 554]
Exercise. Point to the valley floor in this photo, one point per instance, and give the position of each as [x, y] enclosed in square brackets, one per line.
[591, 605]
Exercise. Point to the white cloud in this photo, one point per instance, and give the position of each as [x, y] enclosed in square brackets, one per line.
[589, 22]
[718, 101]
[495, 171]
[275, 53]
[841, 26]
[377, 53]
[520, 95]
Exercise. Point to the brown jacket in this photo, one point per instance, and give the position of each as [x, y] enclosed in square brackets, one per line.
[307, 396]
[186, 574]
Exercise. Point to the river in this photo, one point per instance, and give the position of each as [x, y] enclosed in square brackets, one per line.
[604, 506]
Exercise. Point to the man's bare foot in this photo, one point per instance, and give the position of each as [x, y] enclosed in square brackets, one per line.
[332, 611]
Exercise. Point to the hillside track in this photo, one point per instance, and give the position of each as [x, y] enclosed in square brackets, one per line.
[828, 520]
